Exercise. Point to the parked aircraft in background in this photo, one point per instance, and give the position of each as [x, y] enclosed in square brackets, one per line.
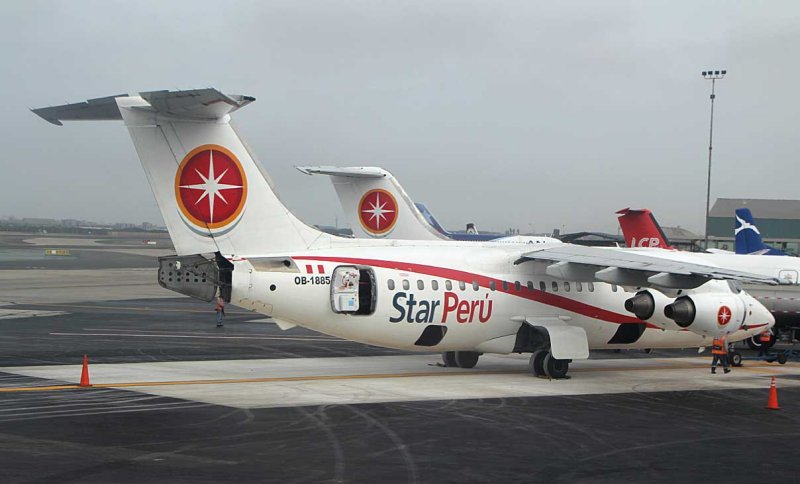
[377, 206]
[234, 237]
[640, 229]
[748, 238]
[782, 300]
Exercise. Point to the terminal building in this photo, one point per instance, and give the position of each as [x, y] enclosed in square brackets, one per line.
[777, 220]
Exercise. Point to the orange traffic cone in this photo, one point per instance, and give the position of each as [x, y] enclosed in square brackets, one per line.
[85, 373]
[772, 401]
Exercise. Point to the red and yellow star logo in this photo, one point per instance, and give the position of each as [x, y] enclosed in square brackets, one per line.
[210, 187]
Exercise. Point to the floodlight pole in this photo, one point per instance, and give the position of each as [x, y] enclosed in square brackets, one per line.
[713, 76]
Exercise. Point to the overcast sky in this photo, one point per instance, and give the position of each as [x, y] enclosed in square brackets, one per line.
[522, 114]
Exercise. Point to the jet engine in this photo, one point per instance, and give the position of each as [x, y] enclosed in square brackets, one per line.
[648, 305]
[712, 314]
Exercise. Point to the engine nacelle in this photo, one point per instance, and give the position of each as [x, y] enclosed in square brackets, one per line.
[648, 305]
[711, 314]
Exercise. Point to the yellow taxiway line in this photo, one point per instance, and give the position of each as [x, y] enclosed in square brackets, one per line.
[678, 366]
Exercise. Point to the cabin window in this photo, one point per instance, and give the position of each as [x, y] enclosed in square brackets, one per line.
[530, 285]
[591, 286]
[475, 285]
[435, 285]
[448, 285]
[566, 286]
[517, 286]
[555, 286]
[390, 283]
[492, 286]
[462, 285]
[542, 286]
[406, 285]
[505, 285]
[579, 287]
[420, 284]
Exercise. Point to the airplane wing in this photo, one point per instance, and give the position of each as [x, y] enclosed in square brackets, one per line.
[632, 267]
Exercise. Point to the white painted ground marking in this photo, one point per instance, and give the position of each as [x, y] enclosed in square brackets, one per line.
[26, 313]
[200, 336]
[348, 381]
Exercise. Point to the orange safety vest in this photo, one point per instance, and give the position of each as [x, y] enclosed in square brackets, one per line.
[718, 347]
[765, 337]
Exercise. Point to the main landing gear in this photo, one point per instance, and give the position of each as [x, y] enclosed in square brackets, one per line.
[542, 363]
[460, 359]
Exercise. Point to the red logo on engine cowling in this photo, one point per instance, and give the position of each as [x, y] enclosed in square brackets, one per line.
[723, 315]
[377, 211]
[210, 187]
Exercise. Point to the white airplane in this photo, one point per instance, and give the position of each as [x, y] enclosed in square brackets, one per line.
[234, 237]
[783, 300]
[377, 207]
[641, 230]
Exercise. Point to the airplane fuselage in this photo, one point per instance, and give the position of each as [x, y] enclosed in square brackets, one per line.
[473, 290]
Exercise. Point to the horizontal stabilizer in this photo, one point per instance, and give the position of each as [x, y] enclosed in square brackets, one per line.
[101, 109]
[344, 171]
[195, 104]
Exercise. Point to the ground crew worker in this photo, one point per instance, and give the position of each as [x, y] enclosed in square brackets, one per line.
[719, 350]
[220, 311]
[764, 338]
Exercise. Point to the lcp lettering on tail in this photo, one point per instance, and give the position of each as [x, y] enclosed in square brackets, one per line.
[412, 310]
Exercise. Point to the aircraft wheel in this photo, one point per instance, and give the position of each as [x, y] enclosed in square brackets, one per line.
[782, 358]
[536, 362]
[555, 368]
[735, 358]
[466, 359]
[449, 358]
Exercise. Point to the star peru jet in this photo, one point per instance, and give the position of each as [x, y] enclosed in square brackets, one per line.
[234, 237]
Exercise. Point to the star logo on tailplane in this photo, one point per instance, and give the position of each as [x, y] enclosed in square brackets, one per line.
[377, 212]
[211, 190]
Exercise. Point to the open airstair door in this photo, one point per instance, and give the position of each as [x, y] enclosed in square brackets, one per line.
[353, 290]
[566, 342]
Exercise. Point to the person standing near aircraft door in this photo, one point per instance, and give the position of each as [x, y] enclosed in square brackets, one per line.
[220, 308]
[719, 350]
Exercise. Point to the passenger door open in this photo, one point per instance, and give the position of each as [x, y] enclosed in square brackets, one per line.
[353, 290]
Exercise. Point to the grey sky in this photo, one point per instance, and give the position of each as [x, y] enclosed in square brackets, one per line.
[526, 114]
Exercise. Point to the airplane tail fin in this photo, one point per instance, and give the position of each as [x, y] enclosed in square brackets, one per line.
[376, 205]
[641, 229]
[748, 237]
[212, 193]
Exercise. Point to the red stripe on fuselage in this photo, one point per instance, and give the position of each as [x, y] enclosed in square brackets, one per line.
[468, 277]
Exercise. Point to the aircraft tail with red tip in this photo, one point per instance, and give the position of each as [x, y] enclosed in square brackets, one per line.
[640, 229]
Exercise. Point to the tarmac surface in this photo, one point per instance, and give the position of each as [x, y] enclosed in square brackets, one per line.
[175, 399]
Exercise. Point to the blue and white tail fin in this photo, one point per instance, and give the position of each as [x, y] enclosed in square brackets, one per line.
[212, 193]
[748, 237]
[431, 219]
[375, 204]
